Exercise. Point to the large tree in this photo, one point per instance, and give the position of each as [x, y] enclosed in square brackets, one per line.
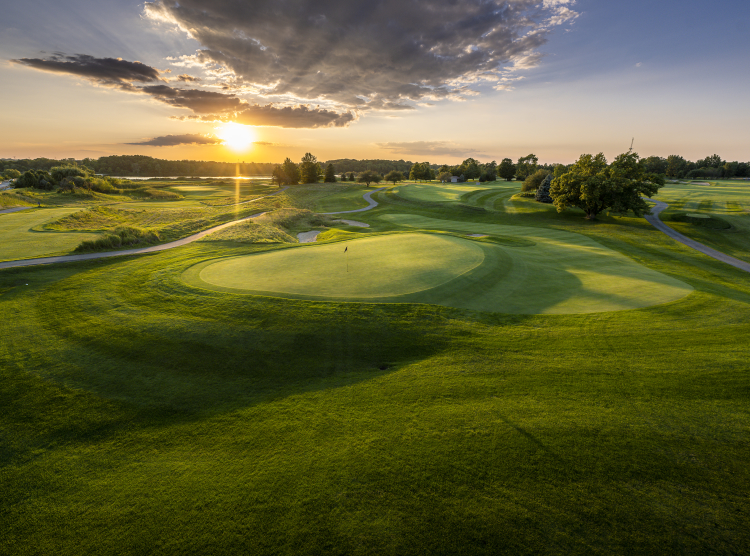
[290, 172]
[507, 169]
[394, 176]
[593, 186]
[330, 175]
[526, 166]
[368, 176]
[309, 169]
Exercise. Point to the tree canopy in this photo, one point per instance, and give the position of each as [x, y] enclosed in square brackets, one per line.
[394, 176]
[526, 166]
[593, 186]
[309, 169]
[368, 177]
[330, 175]
[507, 169]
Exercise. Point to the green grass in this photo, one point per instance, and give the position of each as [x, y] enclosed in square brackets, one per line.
[727, 203]
[344, 197]
[142, 414]
[373, 267]
[23, 235]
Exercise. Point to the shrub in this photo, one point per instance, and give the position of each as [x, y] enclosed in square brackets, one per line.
[542, 194]
[533, 182]
[124, 236]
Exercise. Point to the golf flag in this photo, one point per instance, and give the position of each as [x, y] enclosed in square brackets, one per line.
[346, 248]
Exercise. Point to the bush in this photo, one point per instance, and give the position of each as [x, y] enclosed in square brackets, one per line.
[533, 182]
[124, 236]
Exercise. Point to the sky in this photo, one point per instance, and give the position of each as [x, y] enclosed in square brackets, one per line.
[426, 80]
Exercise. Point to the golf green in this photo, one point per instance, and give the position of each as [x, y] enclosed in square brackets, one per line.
[556, 273]
[375, 267]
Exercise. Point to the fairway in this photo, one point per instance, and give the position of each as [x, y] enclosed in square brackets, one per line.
[557, 273]
[378, 267]
[24, 239]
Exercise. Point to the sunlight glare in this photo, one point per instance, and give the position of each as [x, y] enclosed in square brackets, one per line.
[237, 137]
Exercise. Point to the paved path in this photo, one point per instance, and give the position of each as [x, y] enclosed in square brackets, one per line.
[367, 197]
[15, 209]
[654, 220]
[138, 251]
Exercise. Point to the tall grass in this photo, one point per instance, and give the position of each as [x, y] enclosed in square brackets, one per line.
[125, 236]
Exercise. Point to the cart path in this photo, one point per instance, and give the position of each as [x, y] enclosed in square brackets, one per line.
[367, 197]
[137, 251]
[654, 220]
[15, 209]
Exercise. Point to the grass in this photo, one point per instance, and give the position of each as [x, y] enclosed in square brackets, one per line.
[142, 414]
[23, 239]
[726, 203]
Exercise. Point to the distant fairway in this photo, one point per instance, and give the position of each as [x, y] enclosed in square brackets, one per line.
[558, 273]
[431, 192]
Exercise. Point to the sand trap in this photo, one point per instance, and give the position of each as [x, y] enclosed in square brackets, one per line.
[354, 223]
[308, 237]
[476, 235]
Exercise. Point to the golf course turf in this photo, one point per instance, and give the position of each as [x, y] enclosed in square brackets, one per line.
[146, 411]
[556, 273]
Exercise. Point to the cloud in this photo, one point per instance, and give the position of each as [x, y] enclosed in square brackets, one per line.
[292, 116]
[175, 140]
[197, 100]
[106, 71]
[187, 78]
[436, 148]
[381, 55]
[205, 105]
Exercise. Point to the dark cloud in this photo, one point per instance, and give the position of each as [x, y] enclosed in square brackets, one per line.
[197, 100]
[174, 140]
[187, 78]
[205, 105]
[292, 116]
[378, 55]
[106, 71]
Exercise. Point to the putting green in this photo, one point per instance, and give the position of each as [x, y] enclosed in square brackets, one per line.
[559, 273]
[436, 192]
[378, 267]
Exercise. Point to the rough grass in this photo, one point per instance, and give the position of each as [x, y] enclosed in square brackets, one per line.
[124, 236]
[143, 415]
[251, 232]
[9, 200]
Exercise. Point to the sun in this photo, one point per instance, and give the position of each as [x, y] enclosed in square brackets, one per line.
[237, 137]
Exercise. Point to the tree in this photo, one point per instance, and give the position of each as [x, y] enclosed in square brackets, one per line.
[676, 166]
[533, 182]
[11, 174]
[368, 176]
[278, 175]
[421, 171]
[470, 169]
[507, 169]
[309, 169]
[542, 194]
[394, 176]
[444, 176]
[351, 176]
[526, 166]
[290, 172]
[330, 176]
[594, 186]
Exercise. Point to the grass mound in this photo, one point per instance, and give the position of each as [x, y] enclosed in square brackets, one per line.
[8, 200]
[125, 236]
[250, 232]
[294, 220]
